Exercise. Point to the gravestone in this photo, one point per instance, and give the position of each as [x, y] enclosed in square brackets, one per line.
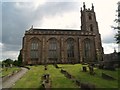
[91, 69]
[84, 69]
[45, 67]
[46, 81]
[42, 86]
[108, 77]
[11, 65]
[68, 75]
[56, 66]
[63, 71]
[77, 82]
[47, 78]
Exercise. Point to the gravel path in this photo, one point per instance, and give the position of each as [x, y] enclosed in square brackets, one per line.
[11, 81]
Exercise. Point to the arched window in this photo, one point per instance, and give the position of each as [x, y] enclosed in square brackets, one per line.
[91, 27]
[53, 49]
[34, 49]
[87, 49]
[70, 48]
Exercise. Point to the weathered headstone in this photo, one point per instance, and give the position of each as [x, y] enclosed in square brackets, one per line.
[91, 69]
[56, 66]
[11, 65]
[84, 69]
[63, 71]
[77, 82]
[45, 67]
[42, 86]
[108, 77]
[46, 81]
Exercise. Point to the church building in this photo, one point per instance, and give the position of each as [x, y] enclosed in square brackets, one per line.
[48, 46]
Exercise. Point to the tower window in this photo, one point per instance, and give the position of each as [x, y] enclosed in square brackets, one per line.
[90, 16]
[91, 27]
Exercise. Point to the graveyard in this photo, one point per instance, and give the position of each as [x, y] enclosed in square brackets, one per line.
[67, 76]
[8, 70]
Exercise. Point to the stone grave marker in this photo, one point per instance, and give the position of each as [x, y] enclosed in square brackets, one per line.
[91, 70]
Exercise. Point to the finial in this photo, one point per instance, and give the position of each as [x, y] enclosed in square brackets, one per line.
[92, 7]
[84, 5]
[81, 9]
[114, 49]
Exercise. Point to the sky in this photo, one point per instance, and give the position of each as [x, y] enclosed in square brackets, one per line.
[17, 16]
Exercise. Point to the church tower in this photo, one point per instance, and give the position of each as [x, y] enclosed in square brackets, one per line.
[90, 24]
[88, 19]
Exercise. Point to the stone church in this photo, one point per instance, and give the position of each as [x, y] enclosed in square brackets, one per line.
[48, 46]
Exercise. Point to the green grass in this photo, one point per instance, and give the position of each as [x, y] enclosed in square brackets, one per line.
[76, 70]
[7, 71]
[59, 80]
[32, 79]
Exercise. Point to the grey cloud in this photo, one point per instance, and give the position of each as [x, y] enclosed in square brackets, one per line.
[10, 47]
[15, 20]
[0, 22]
[109, 39]
[53, 8]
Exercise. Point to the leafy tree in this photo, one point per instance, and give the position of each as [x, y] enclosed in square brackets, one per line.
[15, 63]
[117, 36]
[7, 62]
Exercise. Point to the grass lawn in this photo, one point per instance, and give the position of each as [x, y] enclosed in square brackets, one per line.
[59, 80]
[7, 71]
[32, 79]
[76, 70]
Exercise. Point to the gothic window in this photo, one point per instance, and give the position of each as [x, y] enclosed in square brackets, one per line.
[53, 49]
[90, 16]
[70, 48]
[87, 49]
[34, 48]
[91, 27]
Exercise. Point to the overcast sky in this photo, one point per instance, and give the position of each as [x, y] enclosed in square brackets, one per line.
[17, 17]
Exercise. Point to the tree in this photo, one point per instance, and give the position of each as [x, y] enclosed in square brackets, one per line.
[117, 36]
[15, 63]
[7, 62]
[20, 59]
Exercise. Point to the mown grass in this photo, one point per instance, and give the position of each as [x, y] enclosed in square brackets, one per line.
[7, 71]
[59, 80]
[76, 70]
[32, 79]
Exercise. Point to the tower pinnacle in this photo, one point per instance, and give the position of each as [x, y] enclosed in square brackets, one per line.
[84, 5]
[92, 7]
[81, 9]
[114, 50]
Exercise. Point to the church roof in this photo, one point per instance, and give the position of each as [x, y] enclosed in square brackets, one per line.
[58, 31]
[36, 29]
